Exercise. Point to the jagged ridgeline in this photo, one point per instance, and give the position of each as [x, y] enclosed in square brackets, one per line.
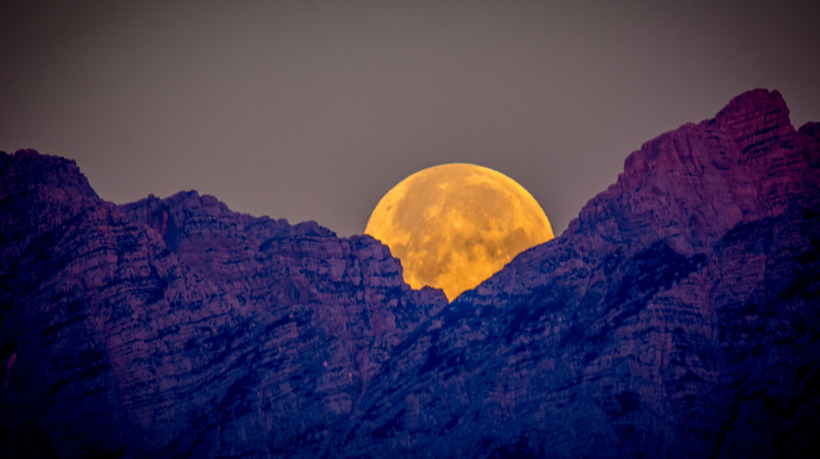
[677, 316]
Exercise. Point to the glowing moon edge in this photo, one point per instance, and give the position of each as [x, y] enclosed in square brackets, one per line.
[454, 225]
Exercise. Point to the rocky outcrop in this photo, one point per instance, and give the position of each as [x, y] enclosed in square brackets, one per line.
[677, 316]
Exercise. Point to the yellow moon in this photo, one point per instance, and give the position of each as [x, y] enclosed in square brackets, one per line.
[454, 225]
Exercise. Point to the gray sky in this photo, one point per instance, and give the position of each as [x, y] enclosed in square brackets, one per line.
[312, 110]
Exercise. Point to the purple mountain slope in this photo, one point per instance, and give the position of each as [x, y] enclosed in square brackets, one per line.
[179, 327]
[677, 316]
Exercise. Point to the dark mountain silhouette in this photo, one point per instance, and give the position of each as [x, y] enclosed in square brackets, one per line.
[677, 316]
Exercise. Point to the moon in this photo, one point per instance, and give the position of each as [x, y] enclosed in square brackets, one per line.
[454, 225]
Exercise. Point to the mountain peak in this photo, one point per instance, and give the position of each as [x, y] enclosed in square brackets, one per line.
[692, 184]
[755, 119]
[36, 169]
[755, 104]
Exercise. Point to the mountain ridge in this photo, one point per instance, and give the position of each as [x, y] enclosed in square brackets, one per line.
[677, 315]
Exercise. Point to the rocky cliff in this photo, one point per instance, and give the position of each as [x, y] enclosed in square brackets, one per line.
[178, 327]
[677, 316]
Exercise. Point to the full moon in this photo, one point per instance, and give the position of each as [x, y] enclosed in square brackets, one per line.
[454, 225]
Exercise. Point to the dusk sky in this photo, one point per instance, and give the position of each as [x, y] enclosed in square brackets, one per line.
[311, 110]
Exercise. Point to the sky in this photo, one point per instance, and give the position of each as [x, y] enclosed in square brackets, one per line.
[313, 110]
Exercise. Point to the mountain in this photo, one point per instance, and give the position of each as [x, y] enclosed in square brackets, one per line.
[676, 316]
[148, 327]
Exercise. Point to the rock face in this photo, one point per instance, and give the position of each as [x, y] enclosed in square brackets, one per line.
[177, 327]
[677, 316]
